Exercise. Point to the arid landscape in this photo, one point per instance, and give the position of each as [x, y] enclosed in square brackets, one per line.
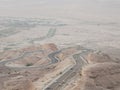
[60, 45]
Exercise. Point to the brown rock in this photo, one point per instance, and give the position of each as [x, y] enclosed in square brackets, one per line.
[50, 47]
[98, 58]
[18, 84]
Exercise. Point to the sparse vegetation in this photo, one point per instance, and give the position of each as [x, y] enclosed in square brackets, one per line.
[60, 73]
[51, 32]
[29, 64]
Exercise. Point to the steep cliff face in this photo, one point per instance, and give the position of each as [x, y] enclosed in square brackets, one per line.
[102, 73]
[105, 76]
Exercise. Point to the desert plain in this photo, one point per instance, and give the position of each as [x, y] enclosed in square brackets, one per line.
[60, 45]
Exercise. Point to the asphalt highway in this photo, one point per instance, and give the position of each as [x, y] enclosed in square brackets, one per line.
[65, 77]
[52, 57]
[80, 62]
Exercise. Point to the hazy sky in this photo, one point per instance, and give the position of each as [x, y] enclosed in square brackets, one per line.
[61, 8]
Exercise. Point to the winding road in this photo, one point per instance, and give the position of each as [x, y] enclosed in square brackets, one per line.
[52, 57]
[18, 58]
[80, 62]
[50, 34]
[65, 76]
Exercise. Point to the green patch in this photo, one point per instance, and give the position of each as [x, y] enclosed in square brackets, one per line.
[29, 64]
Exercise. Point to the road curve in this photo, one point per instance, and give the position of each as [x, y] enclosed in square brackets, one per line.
[50, 34]
[80, 62]
[52, 57]
[65, 77]
[20, 57]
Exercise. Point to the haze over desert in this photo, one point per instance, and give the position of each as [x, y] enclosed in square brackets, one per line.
[59, 45]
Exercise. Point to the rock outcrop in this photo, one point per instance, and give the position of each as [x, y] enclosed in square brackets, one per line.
[102, 73]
